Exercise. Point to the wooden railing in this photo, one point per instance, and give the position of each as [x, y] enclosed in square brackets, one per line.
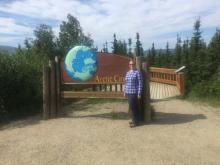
[112, 90]
[167, 76]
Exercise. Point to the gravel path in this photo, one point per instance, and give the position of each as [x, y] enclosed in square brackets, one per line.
[98, 134]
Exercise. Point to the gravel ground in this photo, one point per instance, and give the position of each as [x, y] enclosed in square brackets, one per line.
[99, 134]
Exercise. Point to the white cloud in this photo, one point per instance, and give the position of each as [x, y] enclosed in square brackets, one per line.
[9, 26]
[102, 18]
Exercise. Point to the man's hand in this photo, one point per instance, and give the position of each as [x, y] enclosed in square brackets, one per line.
[139, 97]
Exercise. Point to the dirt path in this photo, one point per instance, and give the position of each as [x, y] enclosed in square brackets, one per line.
[93, 134]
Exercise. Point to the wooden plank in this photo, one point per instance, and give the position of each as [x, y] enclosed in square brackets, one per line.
[46, 93]
[110, 87]
[180, 82]
[163, 81]
[58, 83]
[53, 90]
[146, 95]
[93, 83]
[162, 70]
[96, 94]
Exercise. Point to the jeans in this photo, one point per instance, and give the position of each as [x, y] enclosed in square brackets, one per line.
[133, 107]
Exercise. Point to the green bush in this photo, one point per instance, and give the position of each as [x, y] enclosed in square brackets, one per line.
[20, 85]
[207, 91]
[208, 88]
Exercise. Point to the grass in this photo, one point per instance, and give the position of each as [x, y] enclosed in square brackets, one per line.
[211, 100]
[104, 100]
[116, 116]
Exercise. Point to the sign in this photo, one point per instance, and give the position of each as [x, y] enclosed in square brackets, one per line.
[81, 63]
[111, 69]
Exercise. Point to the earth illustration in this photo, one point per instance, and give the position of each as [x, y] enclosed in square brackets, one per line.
[81, 63]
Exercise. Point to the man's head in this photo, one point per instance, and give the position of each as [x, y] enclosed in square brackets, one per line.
[132, 65]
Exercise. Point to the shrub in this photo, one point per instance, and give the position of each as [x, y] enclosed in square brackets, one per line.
[20, 85]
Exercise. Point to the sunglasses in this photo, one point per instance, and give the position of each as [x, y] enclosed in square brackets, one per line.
[131, 64]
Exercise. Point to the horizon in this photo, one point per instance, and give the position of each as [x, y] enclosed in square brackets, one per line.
[157, 21]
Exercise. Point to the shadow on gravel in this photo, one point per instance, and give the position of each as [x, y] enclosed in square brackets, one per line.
[158, 117]
[20, 123]
[162, 118]
[176, 118]
[111, 116]
[85, 104]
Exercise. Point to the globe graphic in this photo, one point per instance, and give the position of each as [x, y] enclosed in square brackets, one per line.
[81, 63]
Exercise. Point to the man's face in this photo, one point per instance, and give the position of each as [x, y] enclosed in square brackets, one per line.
[131, 65]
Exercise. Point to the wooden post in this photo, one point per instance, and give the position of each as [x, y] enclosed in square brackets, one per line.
[53, 90]
[116, 87]
[146, 93]
[138, 61]
[180, 78]
[58, 84]
[46, 92]
[110, 87]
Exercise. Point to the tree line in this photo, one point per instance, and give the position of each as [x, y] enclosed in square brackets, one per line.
[202, 60]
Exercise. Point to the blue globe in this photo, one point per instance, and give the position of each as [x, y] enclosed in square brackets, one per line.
[81, 63]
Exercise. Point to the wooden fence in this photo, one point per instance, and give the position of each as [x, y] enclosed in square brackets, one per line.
[168, 76]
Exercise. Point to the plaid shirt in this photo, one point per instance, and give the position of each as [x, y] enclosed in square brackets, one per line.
[133, 83]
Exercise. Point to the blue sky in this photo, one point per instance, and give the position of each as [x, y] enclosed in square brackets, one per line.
[157, 21]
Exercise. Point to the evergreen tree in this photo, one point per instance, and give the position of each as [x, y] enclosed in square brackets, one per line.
[121, 48]
[159, 59]
[185, 53]
[149, 56]
[125, 49]
[196, 41]
[28, 43]
[138, 49]
[214, 50]
[178, 50]
[199, 59]
[129, 47]
[153, 55]
[106, 47]
[167, 56]
[115, 44]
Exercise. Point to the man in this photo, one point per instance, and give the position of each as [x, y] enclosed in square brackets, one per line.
[133, 88]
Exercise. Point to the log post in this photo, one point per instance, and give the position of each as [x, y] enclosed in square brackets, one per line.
[138, 61]
[146, 93]
[58, 85]
[53, 90]
[46, 92]
[180, 78]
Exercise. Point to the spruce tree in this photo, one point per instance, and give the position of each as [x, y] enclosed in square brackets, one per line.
[178, 50]
[153, 55]
[167, 58]
[214, 49]
[138, 49]
[115, 44]
[129, 47]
